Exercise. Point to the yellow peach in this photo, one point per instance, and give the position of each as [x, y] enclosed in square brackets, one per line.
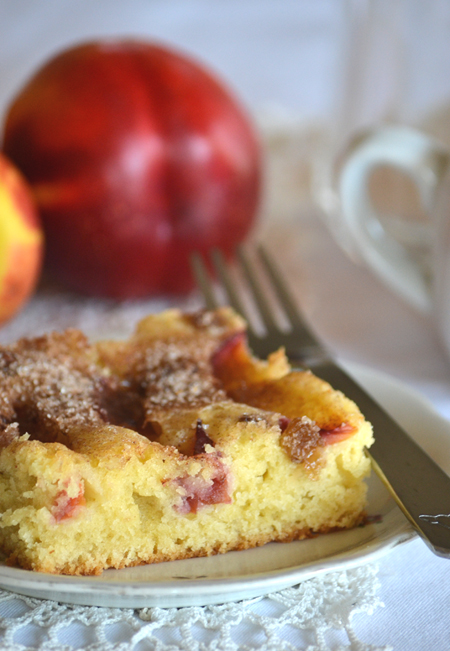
[21, 241]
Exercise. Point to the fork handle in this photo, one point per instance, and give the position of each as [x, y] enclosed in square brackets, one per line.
[418, 485]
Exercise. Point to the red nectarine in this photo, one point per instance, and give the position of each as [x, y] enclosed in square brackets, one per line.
[21, 241]
[136, 156]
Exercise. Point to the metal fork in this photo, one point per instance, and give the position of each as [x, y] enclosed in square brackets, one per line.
[417, 483]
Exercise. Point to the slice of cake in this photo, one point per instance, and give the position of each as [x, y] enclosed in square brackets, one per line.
[173, 444]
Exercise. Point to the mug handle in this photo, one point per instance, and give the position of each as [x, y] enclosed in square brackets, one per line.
[425, 161]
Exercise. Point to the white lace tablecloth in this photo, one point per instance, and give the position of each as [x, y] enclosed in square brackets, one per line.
[296, 618]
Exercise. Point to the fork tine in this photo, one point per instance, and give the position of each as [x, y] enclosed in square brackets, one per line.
[258, 293]
[224, 275]
[203, 281]
[283, 294]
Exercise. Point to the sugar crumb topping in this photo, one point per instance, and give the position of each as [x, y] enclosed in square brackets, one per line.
[53, 384]
[301, 440]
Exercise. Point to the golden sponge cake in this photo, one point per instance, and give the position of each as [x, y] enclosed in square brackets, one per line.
[172, 444]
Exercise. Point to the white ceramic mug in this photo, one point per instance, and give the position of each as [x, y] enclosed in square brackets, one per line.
[381, 188]
[413, 259]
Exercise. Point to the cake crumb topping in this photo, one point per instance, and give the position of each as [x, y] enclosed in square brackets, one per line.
[49, 386]
[57, 383]
[175, 376]
[301, 439]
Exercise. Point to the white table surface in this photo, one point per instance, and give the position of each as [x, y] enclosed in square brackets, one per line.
[259, 47]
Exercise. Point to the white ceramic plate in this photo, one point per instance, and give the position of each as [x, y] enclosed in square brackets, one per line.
[251, 573]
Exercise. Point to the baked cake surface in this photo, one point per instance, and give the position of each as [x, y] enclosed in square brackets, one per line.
[172, 444]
